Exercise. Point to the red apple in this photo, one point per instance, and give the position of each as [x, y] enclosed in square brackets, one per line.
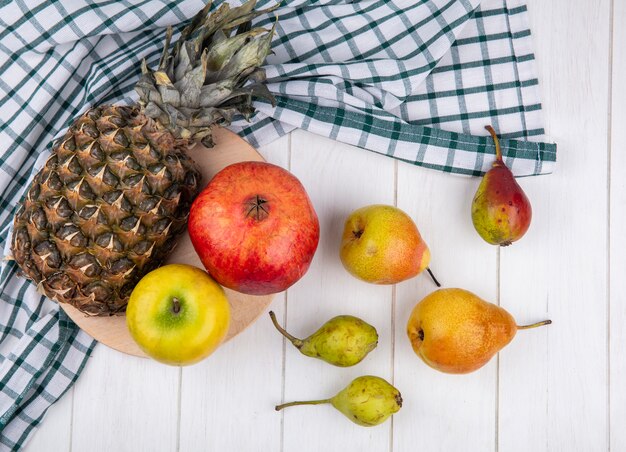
[254, 228]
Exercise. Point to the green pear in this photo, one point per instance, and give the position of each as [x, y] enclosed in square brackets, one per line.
[342, 341]
[366, 401]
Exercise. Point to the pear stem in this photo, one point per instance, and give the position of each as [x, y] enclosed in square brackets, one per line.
[430, 272]
[534, 325]
[497, 142]
[294, 340]
[308, 402]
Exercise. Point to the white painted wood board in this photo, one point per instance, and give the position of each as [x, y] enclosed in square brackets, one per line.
[56, 428]
[553, 381]
[338, 181]
[125, 404]
[617, 228]
[443, 412]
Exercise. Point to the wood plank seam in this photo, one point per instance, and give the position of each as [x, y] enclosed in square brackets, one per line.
[69, 447]
[611, 33]
[617, 215]
[393, 311]
[284, 351]
[497, 379]
[179, 407]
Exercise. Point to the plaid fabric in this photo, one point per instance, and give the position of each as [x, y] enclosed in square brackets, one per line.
[417, 81]
[413, 80]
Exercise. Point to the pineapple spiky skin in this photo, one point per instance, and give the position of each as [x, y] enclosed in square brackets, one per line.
[116, 191]
[105, 209]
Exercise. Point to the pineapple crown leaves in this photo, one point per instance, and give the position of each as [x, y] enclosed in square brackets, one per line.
[211, 75]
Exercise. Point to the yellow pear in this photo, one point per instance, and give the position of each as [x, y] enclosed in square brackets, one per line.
[382, 245]
[457, 332]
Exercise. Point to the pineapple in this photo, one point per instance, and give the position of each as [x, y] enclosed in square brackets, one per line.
[116, 191]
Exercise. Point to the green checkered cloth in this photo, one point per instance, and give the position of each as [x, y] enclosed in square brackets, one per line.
[415, 80]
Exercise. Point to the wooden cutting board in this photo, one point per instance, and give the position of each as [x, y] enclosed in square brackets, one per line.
[245, 309]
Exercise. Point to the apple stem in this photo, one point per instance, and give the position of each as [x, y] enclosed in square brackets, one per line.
[176, 305]
[497, 142]
[430, 272]
[534, 325]
[308, 402]
[294, 340]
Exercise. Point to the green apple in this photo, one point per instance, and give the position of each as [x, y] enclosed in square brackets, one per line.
[178, 314]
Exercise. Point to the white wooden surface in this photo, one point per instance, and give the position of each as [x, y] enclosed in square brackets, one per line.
[561, 388]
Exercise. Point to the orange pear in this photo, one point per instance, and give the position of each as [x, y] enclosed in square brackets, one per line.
[455, 331]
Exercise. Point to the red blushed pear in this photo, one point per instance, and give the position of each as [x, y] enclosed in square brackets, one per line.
[254, 228]
[501, 212]
[382, 245]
